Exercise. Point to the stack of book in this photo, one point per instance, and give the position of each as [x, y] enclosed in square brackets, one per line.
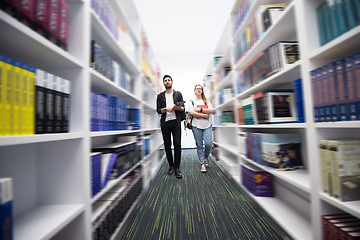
[32, 101]
[335, 90]
[340, 226]
[265, 16]
[340, 168]
[335, 17]
[110, 210]
[49, 18]
[108, 113]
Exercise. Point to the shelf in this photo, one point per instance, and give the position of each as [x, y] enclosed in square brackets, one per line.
[341, 47]
[349, 124]
[227, 104]
[148, 106]
[299, 178]
[38, 138]
[109, 133]
[37, 51]
[106, 40]
[101, 84]
[229, 148]
[282, 30]
[43, 222]
[226, 81]
[291, 221]
[351, 207]
[275, 126]
[151, 130]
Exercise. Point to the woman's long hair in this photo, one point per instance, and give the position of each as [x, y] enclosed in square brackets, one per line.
[202, 94]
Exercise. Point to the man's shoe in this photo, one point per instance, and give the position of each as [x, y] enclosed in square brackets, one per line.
[178, 173]
[171, 171]
[206, 162]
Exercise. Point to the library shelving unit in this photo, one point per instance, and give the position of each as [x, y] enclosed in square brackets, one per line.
[299, 202]
[52, 172]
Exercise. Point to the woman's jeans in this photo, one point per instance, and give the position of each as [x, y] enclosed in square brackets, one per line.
[203, 139]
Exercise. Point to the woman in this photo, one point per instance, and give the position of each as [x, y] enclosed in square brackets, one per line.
[201, 110]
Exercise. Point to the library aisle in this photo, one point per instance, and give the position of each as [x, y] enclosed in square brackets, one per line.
[198, 206]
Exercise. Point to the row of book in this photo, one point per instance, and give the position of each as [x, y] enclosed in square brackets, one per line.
[257, 182]
[275, 150]
[109, 211]
[336, 17]
[6, 209]
[32, 101]
[266, 15]
[340, 226]
[335, 90]
[225, 95]
[50, 18]
[107, 15]
[109, 113]
[104, 64]
[111, 161]
[273, 59]
[340, 168]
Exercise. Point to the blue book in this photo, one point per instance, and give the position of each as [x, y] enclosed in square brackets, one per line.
[351, 9]
[356, 65]
[108, 161]
[95, 159]
[342, 103]
[6, 212]
[351, 88]
[299, 100]
[314, 94]
[340, 16]
[332, 91]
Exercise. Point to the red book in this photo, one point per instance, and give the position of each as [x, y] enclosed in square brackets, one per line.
[203, 107]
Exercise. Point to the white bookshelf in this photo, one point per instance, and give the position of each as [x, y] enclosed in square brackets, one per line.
[51, 172]
[298, 203]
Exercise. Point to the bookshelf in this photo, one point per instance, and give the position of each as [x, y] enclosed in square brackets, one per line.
[299, 202]
[51, 172]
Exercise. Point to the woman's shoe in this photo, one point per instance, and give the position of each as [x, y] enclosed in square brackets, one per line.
[203, 168]
[206, 162]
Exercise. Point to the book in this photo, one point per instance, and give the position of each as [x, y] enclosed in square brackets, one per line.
[326, 225]
[24, 99]
[345, 167]
[40, 102]
[49, 101]
[353, 82]
[53, 20]
[325, 167]
[270, 16]
[286, 151]
[108, 161]
[63, 24]
[3, 79]
[58, 101]
[66, 94]
[25, 11]
[299, 100]
[281, 106]
[258, 182]
[203, 107]
[16, 97]
[95, 164]
[6, 208]
[342, 103]
[31, 99]
[41, 17]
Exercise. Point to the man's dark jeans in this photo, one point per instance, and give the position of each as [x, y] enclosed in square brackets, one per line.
[172, 127]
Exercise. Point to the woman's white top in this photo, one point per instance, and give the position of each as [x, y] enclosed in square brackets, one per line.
[201, 123]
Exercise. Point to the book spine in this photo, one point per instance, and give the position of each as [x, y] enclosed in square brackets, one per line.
[351, 87]
[351, 13]
[299, 100]
[6, 209]
[31, 99]
[324, 159]
[25, 11]
[65, 126]
[340, 16]
[40, 102]
[49, 102]
[24, 122]
[63, 24]
[17, 97]
[2, 94]
[325, 94]
[332, 92]
[52, 25]
[58, 101]
[41, 17]
[320, 22]
[320, 97]
[342, 91]
[356, 66]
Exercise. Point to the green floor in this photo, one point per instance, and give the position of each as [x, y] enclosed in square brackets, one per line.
[198, 206]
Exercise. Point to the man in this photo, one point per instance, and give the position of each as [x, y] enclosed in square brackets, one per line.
[170, 105]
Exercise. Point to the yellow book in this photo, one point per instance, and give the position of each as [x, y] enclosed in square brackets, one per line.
[31, 99]
[24, 106]
[17, 97]
[8, 104]
[248, 35]
[2, 95]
